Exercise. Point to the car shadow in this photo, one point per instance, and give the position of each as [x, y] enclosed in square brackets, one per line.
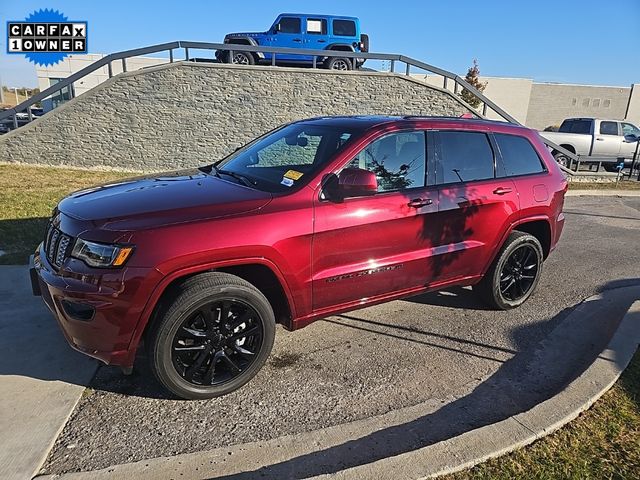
[455, 297]
[521, 382]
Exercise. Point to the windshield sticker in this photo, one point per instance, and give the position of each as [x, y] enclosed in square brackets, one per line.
[287, 182]
[293, 175]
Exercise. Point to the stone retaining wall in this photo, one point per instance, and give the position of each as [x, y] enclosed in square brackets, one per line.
[187, 114]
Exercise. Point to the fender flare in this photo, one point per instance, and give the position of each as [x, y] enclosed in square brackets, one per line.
[250, 40]
[169, 278]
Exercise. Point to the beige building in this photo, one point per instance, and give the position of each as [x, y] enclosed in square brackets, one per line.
[537, 105]
[540, 105]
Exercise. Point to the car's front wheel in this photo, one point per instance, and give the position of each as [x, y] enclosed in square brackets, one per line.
[212, 336]
[241, 58]
[514, 274]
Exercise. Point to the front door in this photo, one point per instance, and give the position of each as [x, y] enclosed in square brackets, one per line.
[286, 33]
[372, 245]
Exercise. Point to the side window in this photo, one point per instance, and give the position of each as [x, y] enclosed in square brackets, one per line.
[630, 129]
[344, 28]
[576, 126]
[464, 157]
[518, 155]
[397, 159]
[609, 128]
[316, 26]
[289, 25]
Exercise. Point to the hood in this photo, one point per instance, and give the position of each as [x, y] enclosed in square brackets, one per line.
[149, 201]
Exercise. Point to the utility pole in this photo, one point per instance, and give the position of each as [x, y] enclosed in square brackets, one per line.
[1, 92]
[17, 98]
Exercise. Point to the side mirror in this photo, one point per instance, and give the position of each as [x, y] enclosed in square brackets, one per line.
[356, 182]
[631, 138]
[276, 28]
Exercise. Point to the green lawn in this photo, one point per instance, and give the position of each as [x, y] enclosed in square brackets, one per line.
[27, 197]
[622, 185]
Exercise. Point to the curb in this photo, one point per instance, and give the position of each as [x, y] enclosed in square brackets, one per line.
[454, 454]
[602, 193]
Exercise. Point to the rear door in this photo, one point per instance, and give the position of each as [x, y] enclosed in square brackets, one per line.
[475, 205]
[606, 139]
[374, 245]
[316, 37]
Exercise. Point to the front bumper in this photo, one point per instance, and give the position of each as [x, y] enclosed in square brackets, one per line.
[113, 298]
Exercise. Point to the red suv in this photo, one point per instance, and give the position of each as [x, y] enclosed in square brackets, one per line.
[317, 217]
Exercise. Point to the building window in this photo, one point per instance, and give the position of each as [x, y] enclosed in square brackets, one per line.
[595, 102]
[606, 103]
[585, 102]
[574, 102]
[62, 95]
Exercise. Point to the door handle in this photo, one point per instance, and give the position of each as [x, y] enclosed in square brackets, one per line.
[600, 139]
[502, 190]
[420, 202]
[322, 41]
[297, 40]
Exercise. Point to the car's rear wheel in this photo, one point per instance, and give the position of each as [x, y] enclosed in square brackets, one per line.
[514, 274]
[338, 63]
[214, 334]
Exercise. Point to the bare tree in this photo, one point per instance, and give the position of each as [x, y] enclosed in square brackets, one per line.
[473, 78]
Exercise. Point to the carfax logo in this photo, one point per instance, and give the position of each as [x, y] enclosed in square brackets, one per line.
[45, 37]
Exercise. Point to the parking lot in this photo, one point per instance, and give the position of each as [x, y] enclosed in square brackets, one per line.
[439, 347]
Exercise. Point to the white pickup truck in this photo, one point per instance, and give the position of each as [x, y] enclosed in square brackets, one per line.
[594, 139]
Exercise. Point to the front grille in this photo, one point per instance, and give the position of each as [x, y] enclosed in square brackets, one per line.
[57, 246]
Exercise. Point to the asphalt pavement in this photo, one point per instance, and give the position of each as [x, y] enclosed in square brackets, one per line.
[436, 348]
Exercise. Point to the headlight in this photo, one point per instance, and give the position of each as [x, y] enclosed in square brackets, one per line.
[100, 254]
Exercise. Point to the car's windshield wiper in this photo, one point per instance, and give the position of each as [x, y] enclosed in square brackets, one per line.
[238, 176]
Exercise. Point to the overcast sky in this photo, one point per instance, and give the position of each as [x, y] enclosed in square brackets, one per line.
[570, 41]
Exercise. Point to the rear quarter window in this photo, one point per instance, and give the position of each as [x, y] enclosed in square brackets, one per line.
[344, 28]
[518, 155]
[576, 126]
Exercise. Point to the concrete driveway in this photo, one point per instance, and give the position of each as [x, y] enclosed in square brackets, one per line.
[435, 348]
[41, 378]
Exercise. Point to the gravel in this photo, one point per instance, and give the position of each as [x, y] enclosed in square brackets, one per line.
[367, 362]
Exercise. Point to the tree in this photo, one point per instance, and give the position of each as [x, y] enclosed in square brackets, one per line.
[473, 78]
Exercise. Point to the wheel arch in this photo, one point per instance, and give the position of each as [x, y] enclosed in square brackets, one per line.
[268, 277]
[343, 47]
[539, 228]
[247, 41]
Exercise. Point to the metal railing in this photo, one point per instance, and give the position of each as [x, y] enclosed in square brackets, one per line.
[459, 83]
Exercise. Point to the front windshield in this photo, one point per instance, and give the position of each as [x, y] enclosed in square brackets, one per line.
[287, 157]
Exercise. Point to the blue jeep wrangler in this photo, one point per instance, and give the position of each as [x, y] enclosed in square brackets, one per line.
[303, 31]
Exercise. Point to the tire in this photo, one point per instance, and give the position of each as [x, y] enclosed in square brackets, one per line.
[562, 159]
[338, 63]
[241, 58]
[520, 257]
[194, 353]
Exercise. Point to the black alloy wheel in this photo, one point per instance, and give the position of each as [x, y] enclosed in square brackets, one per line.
[514, 274]
[211, 335]
[217, 342]
[519, 273]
